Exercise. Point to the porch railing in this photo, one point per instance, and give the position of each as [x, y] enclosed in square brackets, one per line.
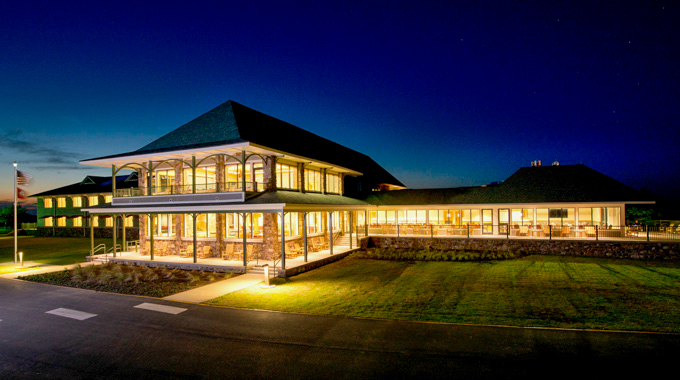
[224, 187]
[507, 231]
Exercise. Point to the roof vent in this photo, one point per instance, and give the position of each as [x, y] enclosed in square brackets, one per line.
[556, 163]
[535, 164]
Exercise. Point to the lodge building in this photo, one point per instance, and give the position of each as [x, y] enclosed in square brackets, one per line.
[239, 185]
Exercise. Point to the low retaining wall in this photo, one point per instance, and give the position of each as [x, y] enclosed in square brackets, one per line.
[610, 249]
[313, 264]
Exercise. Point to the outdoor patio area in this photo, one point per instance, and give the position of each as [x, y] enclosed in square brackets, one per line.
[296, 264]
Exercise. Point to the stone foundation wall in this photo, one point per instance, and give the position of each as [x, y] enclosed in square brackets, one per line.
[609, 249]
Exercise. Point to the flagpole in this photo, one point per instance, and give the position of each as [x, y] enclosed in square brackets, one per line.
[15, 212]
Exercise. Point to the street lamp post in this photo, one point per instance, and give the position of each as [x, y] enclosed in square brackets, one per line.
[15, 212]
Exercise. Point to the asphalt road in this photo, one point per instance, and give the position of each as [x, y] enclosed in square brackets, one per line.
[120, 340]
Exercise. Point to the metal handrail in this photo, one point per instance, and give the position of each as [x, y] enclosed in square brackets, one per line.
[223, 187]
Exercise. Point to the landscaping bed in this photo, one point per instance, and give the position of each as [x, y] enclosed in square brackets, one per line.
[130, 279]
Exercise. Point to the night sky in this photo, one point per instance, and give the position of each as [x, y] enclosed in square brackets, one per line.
[441, 94]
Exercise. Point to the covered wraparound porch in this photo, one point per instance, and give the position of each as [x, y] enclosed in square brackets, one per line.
[235, 238]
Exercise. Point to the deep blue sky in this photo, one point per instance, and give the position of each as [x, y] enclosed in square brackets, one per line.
[450, 93]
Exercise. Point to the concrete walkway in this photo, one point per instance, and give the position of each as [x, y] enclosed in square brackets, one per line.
[40, 268]
[198, 295]
[217, 289]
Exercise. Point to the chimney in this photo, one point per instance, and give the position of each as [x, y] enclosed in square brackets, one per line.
[536, 163]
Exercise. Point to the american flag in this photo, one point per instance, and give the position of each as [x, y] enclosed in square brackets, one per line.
[21, 194]
[23, 178]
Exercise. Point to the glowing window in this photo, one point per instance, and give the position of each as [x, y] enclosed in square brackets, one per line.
[312, 180]
[61, 202]
[77, 202]
[93, 200]
[48, 202]
[286, 176]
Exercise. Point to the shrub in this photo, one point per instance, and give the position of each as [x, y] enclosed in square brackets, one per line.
[434, 255]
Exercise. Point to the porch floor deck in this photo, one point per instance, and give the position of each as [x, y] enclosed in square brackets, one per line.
[221, 265]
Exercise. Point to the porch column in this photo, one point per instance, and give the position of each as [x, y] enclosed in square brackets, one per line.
[149, 176]
[330, 231]
[91, 236]
[113, 216]
[350, 229]
[113, 181]
[123, 247]
[193, 218]
[304, 232]
[245, 247]
[193, 175]
[365, 222]
[151, 227]
[283, 243]
[243, 176]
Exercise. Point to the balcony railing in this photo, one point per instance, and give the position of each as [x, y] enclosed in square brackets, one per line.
[201, 188]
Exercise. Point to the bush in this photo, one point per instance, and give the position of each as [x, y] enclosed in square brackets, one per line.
[434, 255]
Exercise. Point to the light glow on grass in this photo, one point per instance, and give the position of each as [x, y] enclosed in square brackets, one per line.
[541, 291]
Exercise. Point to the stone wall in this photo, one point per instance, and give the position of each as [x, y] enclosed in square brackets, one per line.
[609, 249]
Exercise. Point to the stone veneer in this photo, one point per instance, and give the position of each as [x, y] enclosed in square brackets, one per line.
[608, 249]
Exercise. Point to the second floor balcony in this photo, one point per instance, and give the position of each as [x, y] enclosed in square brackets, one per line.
[199, 188]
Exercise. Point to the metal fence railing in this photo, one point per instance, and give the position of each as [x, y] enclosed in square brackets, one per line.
[225, 187]
[506, 231]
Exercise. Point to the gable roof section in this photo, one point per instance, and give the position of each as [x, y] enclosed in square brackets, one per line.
[92, 185]
[545, 184]
[231, 123]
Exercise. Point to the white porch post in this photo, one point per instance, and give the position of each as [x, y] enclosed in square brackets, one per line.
[283, 243]
[304, 232]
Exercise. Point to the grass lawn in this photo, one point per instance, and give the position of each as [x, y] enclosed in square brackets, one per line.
[541, 291]
[47, 250]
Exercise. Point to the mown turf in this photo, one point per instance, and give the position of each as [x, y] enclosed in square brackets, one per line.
[546, 291]
[49, 250]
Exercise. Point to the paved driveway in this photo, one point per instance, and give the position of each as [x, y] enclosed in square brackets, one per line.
[54, 332]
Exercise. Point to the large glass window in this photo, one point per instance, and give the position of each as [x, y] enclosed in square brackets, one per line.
[164, 181]
[47, 202]
[78, 221]
[312, 180]
[61, 221]
[487, 221]
[93, 200]
[522, 216]
[77, 201]
[290, 223]
[561, 216]
[108, 198]
[503, 220]
[163, 225]
[48, 221]
[286, 176]
[604, 217]
[253, 225]
[206, 225]
[129, 221]
[61, 202]
[205, 179]
[314, 222]
[332, 183]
